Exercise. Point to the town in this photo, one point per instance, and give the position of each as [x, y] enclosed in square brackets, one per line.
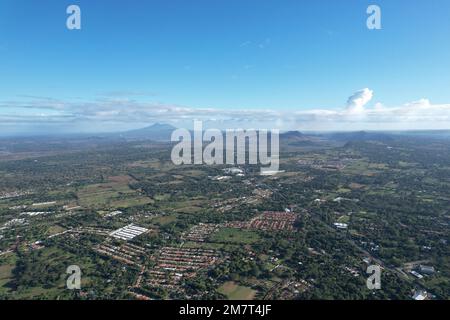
[141, 228]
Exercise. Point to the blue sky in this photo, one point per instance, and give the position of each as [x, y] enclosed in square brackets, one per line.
[232, 58]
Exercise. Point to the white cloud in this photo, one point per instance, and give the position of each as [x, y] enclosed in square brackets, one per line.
[421, 114]
[357, 101]
[111, 114]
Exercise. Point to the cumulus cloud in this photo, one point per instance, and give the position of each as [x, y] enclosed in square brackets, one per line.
[421, 115]
[357, 101]
[118, 112]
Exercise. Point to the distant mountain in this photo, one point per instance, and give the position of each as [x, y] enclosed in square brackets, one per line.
[162, 132]
[155, 132]
[293, 135]
[298, 139]
[360, 136]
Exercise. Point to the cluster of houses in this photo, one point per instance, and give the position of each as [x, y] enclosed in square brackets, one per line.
[127, 253]
[230, 204]
[330, 164]
[18, 207]
[172, 264]
[287, 290]
[10, 225]
[13, 194]
[274, 221]
[200, 232]
[82, 230]
[268, 221]
[113, 213]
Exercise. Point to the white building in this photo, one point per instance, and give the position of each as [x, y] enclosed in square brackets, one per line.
[340, 225]
[128, 232]
[420, 295]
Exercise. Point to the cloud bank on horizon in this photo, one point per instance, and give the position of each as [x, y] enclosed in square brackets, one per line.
[112, 114]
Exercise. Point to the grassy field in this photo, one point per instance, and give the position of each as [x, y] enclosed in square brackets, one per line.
[7, 265]
[193, 205]
[49, 258]
[362, 168]
[113, 194]
[164, 219]
[231, 235]
[343, 219]
[162, 197]
[233, 291]
[344, 190]
[54, 229]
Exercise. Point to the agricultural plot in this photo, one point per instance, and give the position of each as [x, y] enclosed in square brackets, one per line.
[113, 194]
